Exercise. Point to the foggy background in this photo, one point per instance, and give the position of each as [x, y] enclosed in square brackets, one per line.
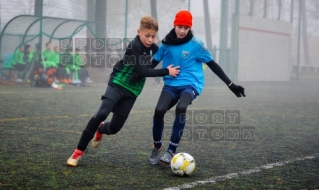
[253, 40]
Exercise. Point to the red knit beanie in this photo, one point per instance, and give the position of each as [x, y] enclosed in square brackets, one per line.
[183, 18]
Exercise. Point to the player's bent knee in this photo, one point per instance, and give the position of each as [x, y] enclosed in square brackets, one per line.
[181, 109]
[116, 124]
[115, 129]
[159, 112]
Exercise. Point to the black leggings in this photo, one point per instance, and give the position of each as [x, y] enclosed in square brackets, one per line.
[166, 102]
[117, 100]
[118, 118]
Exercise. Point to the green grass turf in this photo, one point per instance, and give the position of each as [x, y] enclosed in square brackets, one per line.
[40, 128]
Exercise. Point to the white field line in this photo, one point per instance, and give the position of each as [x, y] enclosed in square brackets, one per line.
[246, 172]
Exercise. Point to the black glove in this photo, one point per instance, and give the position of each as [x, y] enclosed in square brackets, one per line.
[237, 90]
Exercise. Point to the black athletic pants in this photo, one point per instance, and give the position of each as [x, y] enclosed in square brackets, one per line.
[166, 102]
[117, 100]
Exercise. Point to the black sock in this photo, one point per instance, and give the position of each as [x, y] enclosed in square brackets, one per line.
[158, 127]
[177, 132]
[88, 133]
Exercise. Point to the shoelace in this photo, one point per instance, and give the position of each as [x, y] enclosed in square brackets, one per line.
[154, 152]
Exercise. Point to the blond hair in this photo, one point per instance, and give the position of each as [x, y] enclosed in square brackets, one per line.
[148, 22]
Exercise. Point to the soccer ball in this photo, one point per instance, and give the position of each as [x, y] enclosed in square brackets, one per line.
[183, 164]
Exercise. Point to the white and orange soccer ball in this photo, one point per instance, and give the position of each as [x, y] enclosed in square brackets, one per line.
[183, 164]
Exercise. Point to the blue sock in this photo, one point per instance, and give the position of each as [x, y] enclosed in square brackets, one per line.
[158, 126]
[177, 133]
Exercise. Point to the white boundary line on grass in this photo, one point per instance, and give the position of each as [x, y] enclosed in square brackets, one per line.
[246, 172]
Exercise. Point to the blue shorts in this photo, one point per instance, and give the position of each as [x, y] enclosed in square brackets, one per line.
[177, 91]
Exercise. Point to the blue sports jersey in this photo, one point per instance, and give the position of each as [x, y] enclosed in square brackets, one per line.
[190, 57]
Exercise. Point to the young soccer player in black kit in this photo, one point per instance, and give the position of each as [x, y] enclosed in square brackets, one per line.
[125, 84]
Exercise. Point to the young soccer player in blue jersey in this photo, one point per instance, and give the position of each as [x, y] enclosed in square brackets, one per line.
[182, 49]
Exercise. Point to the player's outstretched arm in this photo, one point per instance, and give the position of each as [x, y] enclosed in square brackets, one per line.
[238, 90]
[147, 71]
[145, 68]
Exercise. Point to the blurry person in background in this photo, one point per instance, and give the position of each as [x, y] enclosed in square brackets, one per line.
[18, 62]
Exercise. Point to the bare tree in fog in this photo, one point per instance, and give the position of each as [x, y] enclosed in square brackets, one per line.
[314, 9]
[313, 17]
[305, 31]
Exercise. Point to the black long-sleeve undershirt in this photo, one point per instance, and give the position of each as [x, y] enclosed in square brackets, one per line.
[145, 65]
[218, 71]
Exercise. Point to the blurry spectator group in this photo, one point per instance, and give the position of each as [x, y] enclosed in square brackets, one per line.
[51, 68]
